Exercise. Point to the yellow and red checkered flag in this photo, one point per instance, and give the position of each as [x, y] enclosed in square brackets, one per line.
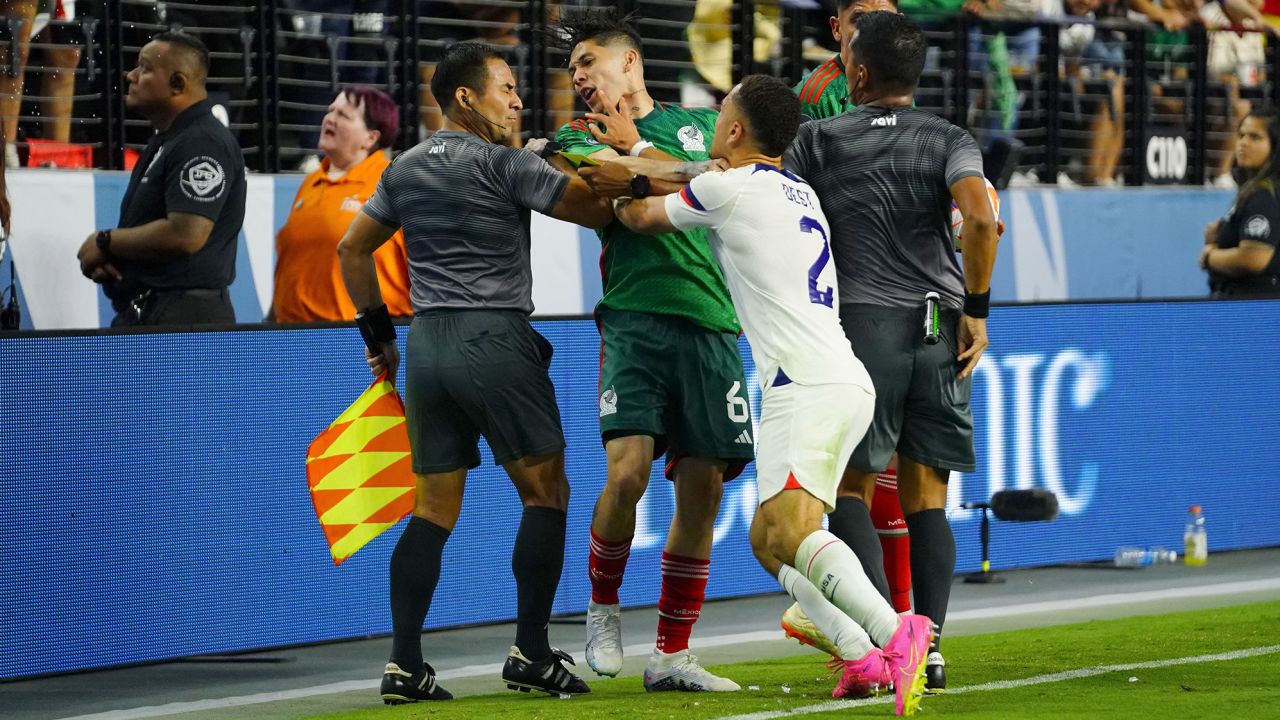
[359, 471]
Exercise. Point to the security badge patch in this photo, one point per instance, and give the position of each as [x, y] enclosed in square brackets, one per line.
[1257, 227]
[202, 179]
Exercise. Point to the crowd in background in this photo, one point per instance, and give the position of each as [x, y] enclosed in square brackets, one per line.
[327, 44]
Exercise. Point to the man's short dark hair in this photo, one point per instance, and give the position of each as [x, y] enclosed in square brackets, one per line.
[893, 49]
[603, 25]
[190, 45]
[842, 5]
[772, 111]
[465, 64]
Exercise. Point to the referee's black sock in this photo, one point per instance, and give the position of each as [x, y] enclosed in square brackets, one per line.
[851, 522]
[415, 570]
[933, 562]
[537, 561]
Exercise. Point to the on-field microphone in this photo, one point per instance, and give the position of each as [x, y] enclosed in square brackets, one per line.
[1033, 505]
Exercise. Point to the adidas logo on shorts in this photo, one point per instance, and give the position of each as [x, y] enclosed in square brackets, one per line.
[744, 438]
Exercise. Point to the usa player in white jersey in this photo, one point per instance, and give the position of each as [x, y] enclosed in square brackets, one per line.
[769, 236]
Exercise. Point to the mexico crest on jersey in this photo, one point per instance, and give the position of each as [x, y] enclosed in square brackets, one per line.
[608, 402]
[691, 138]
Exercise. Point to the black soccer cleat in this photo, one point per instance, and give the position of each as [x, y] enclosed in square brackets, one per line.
[548, 675]
[399, 687]
[935, 674]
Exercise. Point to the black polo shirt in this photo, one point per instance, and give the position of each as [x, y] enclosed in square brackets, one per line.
[193, 167]
[1256, 218]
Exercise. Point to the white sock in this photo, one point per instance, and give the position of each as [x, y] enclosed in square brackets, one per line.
[833, 568]
[852, 640]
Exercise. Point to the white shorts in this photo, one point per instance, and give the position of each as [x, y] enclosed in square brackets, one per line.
[807, 433]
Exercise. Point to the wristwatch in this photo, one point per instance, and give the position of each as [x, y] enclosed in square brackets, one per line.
[640, 186]
[104, 241]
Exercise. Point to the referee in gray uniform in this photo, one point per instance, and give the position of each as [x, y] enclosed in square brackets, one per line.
[474, 364]
[886, 173]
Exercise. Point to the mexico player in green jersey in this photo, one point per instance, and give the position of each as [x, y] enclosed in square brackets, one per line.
[670, 375]
[824, 92]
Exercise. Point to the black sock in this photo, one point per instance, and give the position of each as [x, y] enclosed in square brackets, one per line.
[851, 522]
[933, 562]
[537, 561]
[415, 570]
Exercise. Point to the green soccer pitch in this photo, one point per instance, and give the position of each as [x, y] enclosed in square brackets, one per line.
[1202, 664]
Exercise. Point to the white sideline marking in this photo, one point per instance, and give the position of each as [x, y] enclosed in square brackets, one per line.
[643, 649]
[1048, 606]
[466, 671]
[834, 705]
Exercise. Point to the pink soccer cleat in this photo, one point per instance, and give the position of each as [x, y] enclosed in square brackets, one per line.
[905, 657]
[862, 678]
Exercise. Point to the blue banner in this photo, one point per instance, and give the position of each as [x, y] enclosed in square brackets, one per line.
[1124, 244]
[1084, 244]
[153, 500]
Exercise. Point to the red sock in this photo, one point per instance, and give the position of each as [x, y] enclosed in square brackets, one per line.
[684, 585]
[886, 515]
[606, 564]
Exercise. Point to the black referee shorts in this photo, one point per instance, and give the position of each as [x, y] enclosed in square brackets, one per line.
[470, 373]
[922, 410]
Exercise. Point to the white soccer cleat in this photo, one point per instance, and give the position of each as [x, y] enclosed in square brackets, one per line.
[604, 639]
[797, 625]
[681, 671]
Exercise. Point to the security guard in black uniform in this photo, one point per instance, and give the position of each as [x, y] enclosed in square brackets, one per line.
[173, 255]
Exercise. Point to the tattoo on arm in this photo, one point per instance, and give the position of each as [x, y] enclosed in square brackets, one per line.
[690, 170]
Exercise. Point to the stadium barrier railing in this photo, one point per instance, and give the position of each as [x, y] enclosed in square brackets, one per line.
[1157, 111]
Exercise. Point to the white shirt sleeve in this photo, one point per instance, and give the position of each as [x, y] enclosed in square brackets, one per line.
[705, 202]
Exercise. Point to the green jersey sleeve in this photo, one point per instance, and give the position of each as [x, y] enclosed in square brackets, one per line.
[576, 139]
[824, 92]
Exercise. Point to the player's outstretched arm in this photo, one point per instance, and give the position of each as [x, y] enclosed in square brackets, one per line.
[613, 178]
[581, 205]
[674, 171]
[647, 216]
[578, 204]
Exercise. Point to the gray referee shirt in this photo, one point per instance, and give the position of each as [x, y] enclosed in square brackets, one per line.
[884, 178]
[465, 207]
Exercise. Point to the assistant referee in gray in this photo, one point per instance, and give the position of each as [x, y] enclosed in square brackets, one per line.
[474, 365]
[886, 174]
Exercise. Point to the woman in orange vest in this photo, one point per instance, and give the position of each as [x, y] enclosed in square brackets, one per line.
[361, 123]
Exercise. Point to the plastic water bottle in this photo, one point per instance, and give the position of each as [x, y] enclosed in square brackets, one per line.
[1196, 540]
[1141, 557]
